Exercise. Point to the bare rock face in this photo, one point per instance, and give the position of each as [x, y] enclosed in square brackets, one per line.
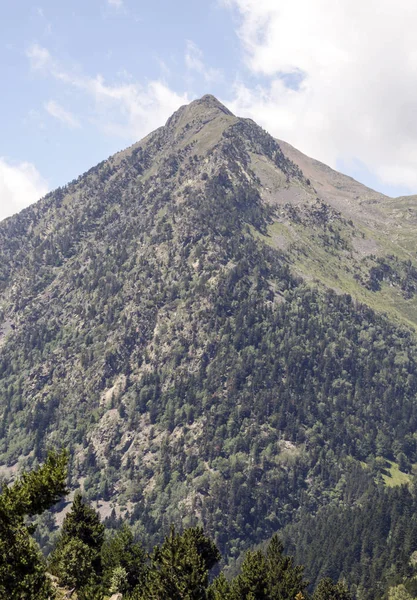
[117, 596]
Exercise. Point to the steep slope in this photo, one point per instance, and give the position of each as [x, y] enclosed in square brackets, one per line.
[343, 193]
[154, 320]
[351, 238]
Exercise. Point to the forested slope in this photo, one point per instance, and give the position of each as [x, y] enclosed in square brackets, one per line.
[159, 323]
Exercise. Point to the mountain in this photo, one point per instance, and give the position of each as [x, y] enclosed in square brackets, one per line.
[219, 328]
[376, 250]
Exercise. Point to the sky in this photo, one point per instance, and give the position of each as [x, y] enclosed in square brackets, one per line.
[82, 80]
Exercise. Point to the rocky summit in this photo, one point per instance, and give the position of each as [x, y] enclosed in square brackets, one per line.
[222, 331]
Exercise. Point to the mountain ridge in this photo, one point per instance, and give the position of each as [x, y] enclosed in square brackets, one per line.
[211, 336]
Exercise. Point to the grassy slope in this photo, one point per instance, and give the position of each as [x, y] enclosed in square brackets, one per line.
[371, 225]
[396, 477]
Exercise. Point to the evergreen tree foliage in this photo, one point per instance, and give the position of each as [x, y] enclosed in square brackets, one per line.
[399, 592]
[252, 582]
[285, 578]
[123, 558]
[268, 575]
[91, 591]
[76, 559]
[118, 582]
[220, 588]
[73, 563]
[83, 522]
[22, 568]
[367, 539]
[36, 491]
[179, 567]
[328, 590]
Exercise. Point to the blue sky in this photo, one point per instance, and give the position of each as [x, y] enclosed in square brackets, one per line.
[82, 80]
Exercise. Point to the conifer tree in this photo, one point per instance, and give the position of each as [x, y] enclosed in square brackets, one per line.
[285, 578]
[269, 576]
[76, 559]
[22, 569]
[220, 588]
[180, 566]
[83, 522]
[328, 590]
[120, 553]
[252, 582]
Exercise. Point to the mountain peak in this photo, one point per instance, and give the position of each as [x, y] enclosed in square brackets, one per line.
[210, 101]
[190, 119]
[203, 109]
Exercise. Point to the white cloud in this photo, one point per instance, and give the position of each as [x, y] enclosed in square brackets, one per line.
[130, 110]
[39, 57]
[20, 185]
[60, 113]
[194, 57]
[139, 109]
[194, 62]
[115, 3]
[353, 68]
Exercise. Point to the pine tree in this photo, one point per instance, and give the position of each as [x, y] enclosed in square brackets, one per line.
[252, 582]
[285, 578]
[220, 588]
[269, 576]
[76, 559]
[179, 567]
[122, 552]
[328, 590]
[22, 569]
[83, 522]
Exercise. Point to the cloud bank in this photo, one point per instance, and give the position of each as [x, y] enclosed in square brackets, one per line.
[335, 79]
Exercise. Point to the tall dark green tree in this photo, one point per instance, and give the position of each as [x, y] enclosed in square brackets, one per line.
[252, 583]
[328, 590]
[220, 588]
[269, 575]
[285, 578]
[76, 559]
[122, 552]
[22, 569]
[180, 566]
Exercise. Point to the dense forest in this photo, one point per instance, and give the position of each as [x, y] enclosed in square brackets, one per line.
[88, 564]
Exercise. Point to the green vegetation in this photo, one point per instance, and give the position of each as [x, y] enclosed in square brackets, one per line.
[153, 320]
[367, 538]
[395, 476]
[84, 561]
[22, 570]
[76, 559]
